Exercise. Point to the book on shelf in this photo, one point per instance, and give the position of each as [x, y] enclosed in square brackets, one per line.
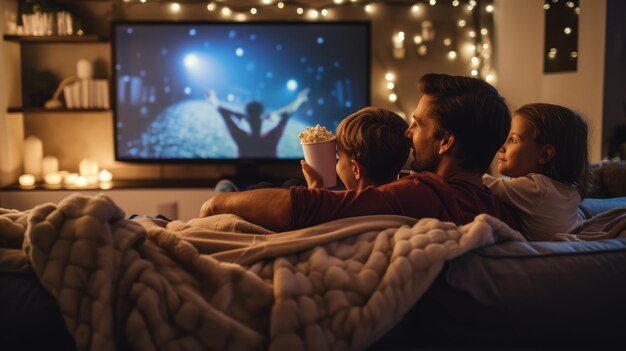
[87, 94]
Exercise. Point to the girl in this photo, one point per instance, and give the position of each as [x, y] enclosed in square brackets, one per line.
[545, 156]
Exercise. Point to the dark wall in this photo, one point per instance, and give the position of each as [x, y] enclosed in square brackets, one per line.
[614, 105]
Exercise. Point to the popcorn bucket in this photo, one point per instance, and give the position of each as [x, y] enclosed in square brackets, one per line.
[322, 157]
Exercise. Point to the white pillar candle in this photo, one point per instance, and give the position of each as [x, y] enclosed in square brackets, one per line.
[84, 69]
[105, 176]
[81, 182]
[70, 178]
[49, 164]
[26, 180]
[53, 178]
[89, 169]
[33, 154]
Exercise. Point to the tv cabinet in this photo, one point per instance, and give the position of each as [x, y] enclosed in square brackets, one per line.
[138, 200]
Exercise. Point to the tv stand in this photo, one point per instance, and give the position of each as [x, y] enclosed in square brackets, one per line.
[248, 175]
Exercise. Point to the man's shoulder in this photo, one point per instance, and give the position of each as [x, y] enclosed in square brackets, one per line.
[416, 181]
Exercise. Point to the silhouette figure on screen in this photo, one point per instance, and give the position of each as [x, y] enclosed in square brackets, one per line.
[255, 144]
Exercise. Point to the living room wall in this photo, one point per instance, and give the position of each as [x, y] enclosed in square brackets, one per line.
[518, 45]
[73, 136]
[520, 48]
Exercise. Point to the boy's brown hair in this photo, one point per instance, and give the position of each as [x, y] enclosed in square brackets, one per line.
[375, 138]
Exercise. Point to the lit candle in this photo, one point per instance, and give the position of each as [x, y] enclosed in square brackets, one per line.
[53, 178]
[89, 169]
[70, 179]
[81, 182]
[49, 164]
[105, 176]
[26, 180]
[105, 186]
[33, 153]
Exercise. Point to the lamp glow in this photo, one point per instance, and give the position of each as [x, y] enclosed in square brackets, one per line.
[389, 76]
[175, 7]
[393, 97]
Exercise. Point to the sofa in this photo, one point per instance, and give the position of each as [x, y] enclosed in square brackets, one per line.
[502, 293]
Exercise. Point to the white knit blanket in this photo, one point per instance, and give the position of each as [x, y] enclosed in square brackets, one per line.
[203, 285]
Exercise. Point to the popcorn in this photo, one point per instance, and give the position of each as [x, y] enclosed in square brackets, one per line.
[315, 135]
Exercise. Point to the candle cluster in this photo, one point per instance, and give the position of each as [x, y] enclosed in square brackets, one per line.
[38, 168]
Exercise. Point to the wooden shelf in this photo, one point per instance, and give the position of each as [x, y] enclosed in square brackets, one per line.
[68, 39]
[44, 110]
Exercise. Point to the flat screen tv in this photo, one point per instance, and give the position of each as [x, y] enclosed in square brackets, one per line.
[228, 92]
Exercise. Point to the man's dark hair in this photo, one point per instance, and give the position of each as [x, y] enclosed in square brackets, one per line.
[473, 111]
[375, 137]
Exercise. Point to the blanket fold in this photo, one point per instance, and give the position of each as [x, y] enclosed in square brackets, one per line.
[222, 283]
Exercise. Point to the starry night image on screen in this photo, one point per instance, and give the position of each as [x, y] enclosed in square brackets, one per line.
[227, 91]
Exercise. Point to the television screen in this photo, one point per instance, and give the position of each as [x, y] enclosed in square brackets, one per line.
[233, 91]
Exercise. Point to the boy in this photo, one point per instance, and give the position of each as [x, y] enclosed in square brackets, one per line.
[371, 147]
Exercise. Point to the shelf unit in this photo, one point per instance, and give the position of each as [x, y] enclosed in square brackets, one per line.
[54, 39]
[58, 110]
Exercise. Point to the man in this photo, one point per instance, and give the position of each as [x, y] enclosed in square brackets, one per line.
[457, 128]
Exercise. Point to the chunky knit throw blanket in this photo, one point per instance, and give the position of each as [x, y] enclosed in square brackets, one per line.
[220, 283]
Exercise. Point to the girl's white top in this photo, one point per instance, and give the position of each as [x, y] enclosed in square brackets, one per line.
[545, 206]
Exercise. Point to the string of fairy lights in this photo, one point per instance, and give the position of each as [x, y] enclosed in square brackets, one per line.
[473, 45]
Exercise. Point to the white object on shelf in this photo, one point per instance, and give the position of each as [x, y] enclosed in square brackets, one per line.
[53, 178]
[33, 154]
[81, 182]
[105, 176]
[49, 164]
[70, 178]
[84, 69]
[26, 180]
[89, 169]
